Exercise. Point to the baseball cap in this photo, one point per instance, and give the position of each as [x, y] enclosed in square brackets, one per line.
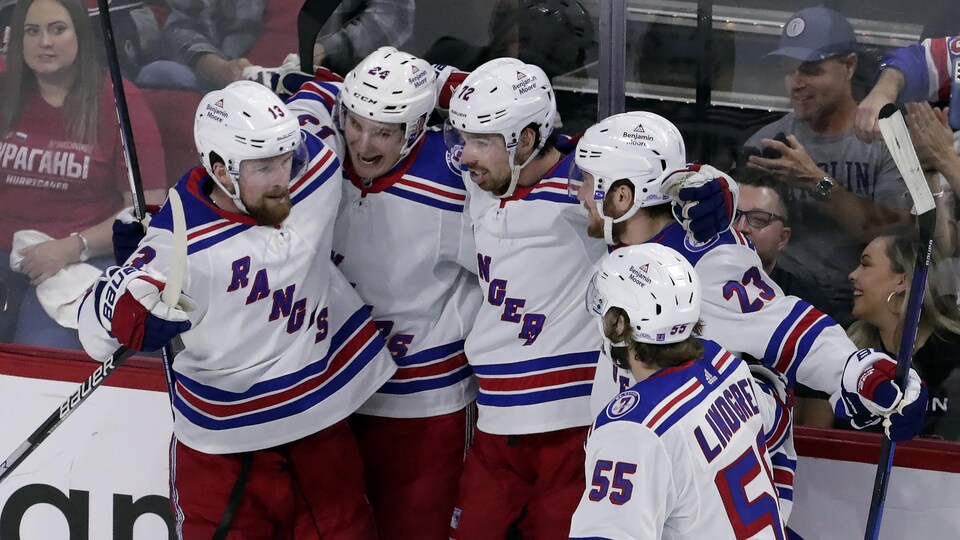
[814, 34]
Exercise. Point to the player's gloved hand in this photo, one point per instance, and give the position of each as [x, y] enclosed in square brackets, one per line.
[868, 395]
[128, 232]
[704, 200]
[129, 307]
[771, 379]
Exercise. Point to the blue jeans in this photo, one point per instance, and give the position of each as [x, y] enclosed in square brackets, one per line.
[24, 321]
[170, 75]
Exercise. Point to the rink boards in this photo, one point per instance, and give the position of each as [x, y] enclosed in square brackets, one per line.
[103, 473]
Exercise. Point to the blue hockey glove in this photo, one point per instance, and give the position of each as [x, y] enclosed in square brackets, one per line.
[869, 395]
[128, 232]
[129, 307]
[704, 200]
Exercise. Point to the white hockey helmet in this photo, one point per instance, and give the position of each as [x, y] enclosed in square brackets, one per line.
[393, 87]
[640, 147]
[504, 96]
[657, 288]
[242, 121]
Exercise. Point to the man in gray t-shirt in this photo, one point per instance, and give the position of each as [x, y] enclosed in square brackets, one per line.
[842, 191]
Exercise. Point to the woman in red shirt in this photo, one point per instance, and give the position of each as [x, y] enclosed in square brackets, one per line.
[62, 170]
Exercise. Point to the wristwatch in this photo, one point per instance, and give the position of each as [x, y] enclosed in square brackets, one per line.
[824, 187]
[84, 247]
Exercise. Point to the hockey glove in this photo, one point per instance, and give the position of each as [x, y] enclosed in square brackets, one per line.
[869, 395]
[128, 232]
[129, 307]
[704, 200]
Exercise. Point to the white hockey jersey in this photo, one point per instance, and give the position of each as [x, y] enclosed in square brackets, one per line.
[682, 455]
[405, 241]
[281, 345]
[533, 346]
[747, 312]
[406, 244]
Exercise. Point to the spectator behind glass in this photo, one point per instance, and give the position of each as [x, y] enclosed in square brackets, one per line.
[881, 285]
[762, 216]
[61, 161]
[557, 35]
[842, 191]
[208, 43]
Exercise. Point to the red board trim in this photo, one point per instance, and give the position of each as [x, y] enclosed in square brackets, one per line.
[141, 373]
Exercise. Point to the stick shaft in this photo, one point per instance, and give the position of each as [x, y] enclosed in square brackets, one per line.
[123, 114]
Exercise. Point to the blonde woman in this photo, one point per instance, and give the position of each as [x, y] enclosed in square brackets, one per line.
[881, 285]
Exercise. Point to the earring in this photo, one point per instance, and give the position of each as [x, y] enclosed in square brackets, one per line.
[889, 296]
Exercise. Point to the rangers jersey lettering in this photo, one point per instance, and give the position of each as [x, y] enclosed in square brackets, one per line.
[533, 347]
[281, 346]
[682, 454]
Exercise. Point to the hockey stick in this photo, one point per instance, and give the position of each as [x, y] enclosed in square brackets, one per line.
[171, 292]
[169, 296]
[897, 137]
[123, 115]
[313, 15]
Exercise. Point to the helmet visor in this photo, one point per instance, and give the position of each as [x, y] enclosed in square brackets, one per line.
[594, 300]
[291, 165]
[574, 179]
[476, 145]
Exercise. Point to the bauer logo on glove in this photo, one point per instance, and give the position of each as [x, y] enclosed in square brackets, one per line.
[129, 307]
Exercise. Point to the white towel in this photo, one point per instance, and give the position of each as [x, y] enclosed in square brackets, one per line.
[60, 295]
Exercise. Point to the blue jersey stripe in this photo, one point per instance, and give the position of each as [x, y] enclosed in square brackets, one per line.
[534, 398]
[289, 409]
[806, 342]
[210, 241]
[423, 385]
[679, 413]
[551, 196]
[423, 199]
[429, 355]
[772, 353]
[283, 382]
[528, 367]
[331, 167]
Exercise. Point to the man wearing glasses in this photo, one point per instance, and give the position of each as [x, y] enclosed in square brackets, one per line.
[762, 216]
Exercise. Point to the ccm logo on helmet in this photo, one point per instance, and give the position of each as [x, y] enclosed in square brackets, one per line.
[364, 98]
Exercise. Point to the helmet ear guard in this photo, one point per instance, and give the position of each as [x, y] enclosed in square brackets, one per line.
[638, 147]
[504, 96]
[245, 121]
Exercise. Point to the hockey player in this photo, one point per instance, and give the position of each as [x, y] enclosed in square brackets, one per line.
[279, 349]
[403, 238]
[683, 452]
[625, 186]
[531, 347]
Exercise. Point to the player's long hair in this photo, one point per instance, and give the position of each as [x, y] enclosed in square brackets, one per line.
[82, 105]
[661, 355]
[940, 312]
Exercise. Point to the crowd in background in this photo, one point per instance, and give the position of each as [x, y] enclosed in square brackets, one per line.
[821, 199]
